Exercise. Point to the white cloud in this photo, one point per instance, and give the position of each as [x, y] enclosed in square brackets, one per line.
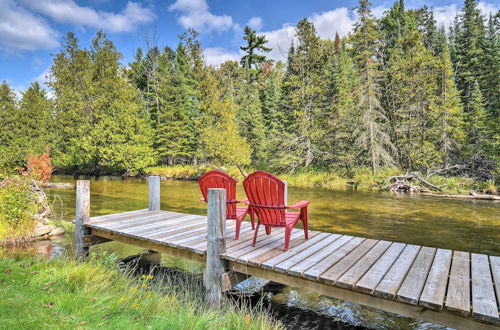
[43, 77]
[445, 15]
[279, 42]
[255, 23]
[67, 11]
[195, 14]
[327, 24]
[216, 56]
[21, 30]
[487, 8]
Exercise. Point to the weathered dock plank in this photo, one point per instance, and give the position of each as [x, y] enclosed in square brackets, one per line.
[393, 279]
[336, 271]
[484, 305]
[435, 287]
[458, 297]
[352, 276]
[417, 275]
[372, 278]
[307, 263]
[452, 283]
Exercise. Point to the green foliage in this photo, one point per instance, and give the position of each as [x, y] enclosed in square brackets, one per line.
[18, 205]
[101, 123]
[96, 295]
[219, 137]
[372, 134]
[397, 91]
[11, 153]
[254, 43]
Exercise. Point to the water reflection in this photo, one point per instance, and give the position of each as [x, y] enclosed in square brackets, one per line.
[453, 224]
[465, 225]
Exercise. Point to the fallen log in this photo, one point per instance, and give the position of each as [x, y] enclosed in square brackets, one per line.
[404, 182]
[476, 196]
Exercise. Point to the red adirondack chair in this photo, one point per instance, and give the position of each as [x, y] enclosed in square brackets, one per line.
[266, 194]
[220, 179]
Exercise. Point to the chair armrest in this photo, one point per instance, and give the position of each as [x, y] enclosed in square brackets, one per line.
[244, 201]
[202, 199]
[299, 205]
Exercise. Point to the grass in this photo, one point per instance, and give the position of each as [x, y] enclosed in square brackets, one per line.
[65, 294]
[361, 178]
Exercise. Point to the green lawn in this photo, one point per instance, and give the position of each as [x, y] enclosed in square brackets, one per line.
[64, 294]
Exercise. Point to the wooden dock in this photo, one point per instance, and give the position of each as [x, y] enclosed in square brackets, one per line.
[453, 288]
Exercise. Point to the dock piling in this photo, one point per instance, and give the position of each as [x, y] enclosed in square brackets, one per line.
[154, 193]
[216, 245]
[82, 216]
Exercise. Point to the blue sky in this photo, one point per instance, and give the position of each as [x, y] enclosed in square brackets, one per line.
[30, 30]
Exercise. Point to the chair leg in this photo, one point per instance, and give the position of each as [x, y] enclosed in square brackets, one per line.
[252, 218]
[303, 215]
[238, 226]
[268, 230]
[255, 234]
[288, 231]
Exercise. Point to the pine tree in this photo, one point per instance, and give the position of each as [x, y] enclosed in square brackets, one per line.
[219, 138]
[302, 87]
[250, 118]
[254, 43]
[469, 57]
[99, 112]
[491, 80]
[175, 135]
[341, 81]
[35, 121]
[11, 155]
[477, 119]
[448, 111]
[410, 88]
[392, 27]
[426, 24]
[372, 135]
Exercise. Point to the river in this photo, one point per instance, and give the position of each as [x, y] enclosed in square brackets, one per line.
[467, 225]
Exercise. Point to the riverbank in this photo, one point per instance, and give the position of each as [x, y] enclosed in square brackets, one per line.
[36, 293]
[360, 179]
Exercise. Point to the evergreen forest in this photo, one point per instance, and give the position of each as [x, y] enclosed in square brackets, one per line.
[398, 91]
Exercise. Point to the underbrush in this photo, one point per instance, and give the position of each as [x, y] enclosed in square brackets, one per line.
[95, 294]
[360, 178]
[18, 205]
[189, 172]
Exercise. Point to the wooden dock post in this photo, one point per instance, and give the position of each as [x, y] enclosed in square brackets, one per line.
[82, 216]
[216, 245]
[154, 193]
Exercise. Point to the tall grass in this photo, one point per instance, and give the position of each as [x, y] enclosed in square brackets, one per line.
[360, 178]
[69, 294]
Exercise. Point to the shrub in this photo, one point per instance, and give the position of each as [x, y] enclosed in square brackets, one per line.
[40, 166]
[18, 205]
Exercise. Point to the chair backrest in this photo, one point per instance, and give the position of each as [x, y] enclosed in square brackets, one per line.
[266, 194]
[219, 179]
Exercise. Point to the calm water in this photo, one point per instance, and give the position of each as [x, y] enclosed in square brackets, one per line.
[446, 223]
[453, 224]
